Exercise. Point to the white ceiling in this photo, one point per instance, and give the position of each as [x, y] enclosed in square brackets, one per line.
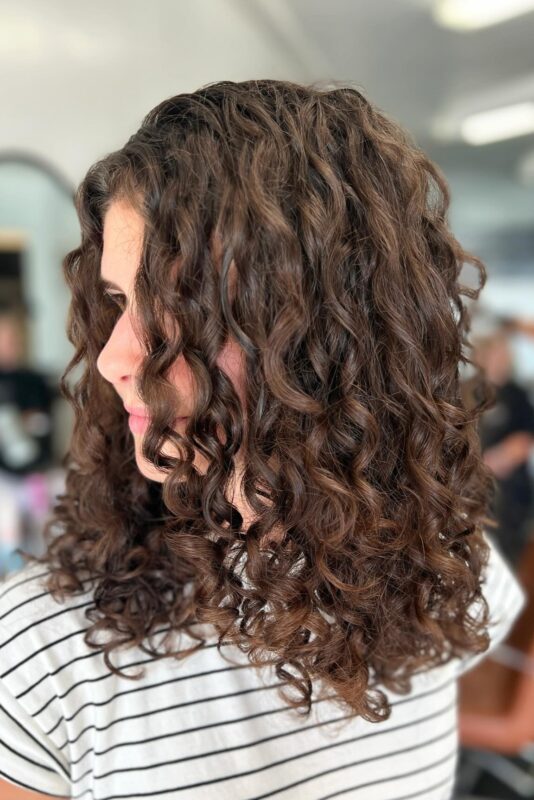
[78, 76]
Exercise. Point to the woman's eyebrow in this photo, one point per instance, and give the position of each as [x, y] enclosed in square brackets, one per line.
[109, 284]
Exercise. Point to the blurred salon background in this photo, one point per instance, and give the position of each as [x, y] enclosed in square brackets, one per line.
[77, 79]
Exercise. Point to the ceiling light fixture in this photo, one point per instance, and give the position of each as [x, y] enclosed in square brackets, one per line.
[468, 15]
[498, 124]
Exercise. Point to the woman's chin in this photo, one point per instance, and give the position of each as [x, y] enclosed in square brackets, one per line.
[150, 472]
[144, 466]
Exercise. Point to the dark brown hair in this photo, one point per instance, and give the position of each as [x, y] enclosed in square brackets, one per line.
[347, 307]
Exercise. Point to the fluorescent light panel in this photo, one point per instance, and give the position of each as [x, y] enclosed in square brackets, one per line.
[498, 124]
[466, 15]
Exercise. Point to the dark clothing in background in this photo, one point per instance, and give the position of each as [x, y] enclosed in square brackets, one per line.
[513, 412]
[28, 390]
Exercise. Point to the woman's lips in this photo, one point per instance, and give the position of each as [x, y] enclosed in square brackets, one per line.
[139, 424]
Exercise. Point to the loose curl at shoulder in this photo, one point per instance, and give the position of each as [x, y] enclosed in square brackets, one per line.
[338, 277]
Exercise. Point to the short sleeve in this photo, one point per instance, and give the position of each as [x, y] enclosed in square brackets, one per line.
[27, 758]
[30, 757]
[506, 599]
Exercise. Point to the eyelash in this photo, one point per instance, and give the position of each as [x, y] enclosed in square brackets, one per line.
[114, 296]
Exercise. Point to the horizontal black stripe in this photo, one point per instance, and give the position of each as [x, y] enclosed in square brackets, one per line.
[36, 577]
[22, 603]
[247, 773]
[132, 743]
[359, 762]
[102, 677]
[146, 687]
[295, 731]
[450, 755]
[41, 650]
[33, 686]
[36, 623]
[148, 660]
[450, 780]
[170, 735]
[32, 597]
[404, 796]
[162, 683]
[28, 786]
[20, 583]
[26, 758]
[285, 733]
[91, 654]
[109, 674]
[36, 713]
[99, 753]
[51, 731]
[162, 710]
[209, 752]
[37, 742]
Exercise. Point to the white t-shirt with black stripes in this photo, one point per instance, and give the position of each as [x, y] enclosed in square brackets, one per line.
[204, 728]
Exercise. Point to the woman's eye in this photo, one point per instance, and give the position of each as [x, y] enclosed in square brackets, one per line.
[117, 299]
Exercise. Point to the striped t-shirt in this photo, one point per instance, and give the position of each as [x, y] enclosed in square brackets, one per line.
[204, 728]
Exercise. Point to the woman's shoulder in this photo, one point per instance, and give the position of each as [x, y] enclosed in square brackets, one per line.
[505, 596]
[36, 633]
[25, 600]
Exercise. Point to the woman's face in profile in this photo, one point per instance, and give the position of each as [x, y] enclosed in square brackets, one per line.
[120, 358]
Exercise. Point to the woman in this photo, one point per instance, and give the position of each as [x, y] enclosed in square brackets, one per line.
[259, 581]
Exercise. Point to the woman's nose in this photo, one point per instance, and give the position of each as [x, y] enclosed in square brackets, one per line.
[119, 358]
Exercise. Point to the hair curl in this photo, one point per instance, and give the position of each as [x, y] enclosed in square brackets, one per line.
[347, 306]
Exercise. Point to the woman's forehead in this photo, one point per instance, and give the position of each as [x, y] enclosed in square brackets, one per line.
[122, 243]
[123, 232]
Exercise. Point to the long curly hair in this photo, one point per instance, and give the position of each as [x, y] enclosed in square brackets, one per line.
[338, 277]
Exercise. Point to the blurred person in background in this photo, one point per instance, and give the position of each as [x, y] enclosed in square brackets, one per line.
[507, 437]
[25, 440]
[25, 402]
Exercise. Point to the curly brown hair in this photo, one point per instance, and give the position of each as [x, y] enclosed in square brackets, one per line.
[358, 447]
